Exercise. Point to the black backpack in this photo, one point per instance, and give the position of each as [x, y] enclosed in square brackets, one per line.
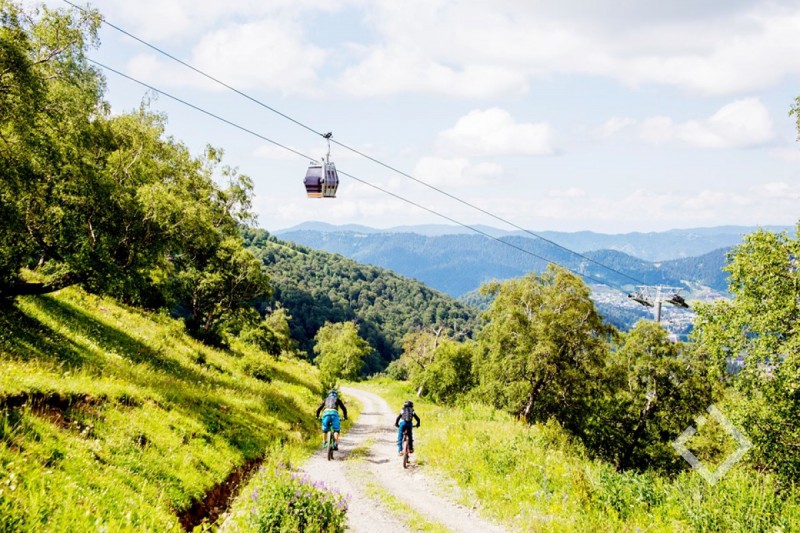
[330, 402]
[407, 414]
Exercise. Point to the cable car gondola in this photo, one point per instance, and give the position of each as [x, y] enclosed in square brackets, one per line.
[322, 180]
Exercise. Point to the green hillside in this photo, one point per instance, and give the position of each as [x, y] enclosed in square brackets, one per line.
[115, 418]
[318, 287]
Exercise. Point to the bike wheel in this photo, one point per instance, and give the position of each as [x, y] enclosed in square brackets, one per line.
[331, 443]
[405, 451]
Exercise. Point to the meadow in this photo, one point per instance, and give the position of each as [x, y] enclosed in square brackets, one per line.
[113, 419]
[537, 478]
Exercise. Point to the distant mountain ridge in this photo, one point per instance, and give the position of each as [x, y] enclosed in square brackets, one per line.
[652, 246]
[457, 263]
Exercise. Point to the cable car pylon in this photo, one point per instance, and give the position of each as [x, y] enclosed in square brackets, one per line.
[654, 295]
[321, 179]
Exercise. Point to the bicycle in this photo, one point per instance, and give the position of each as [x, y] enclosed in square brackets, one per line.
[405, 446]
[331, 445]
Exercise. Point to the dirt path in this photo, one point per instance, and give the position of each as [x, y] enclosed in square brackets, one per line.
[368, 469]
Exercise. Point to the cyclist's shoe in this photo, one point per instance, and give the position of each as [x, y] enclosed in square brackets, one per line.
[335, 447]
[411, 451]
[324, 444]
[400, 452]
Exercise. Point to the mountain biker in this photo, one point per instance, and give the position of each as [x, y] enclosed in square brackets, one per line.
[403, 423]
[330, 417]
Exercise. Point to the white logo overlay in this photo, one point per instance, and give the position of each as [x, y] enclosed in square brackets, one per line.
[743, 442]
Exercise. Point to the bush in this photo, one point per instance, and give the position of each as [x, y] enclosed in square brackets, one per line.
[397, 370]
[289, 503]
[258, 366]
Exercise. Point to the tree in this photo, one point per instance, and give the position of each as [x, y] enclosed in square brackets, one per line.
[419, 350]
[109, 202]
[656, 389]
[759, 331]
[278, 321]
[220, 288]
[340, 352]
[449, 375]
[543, 347]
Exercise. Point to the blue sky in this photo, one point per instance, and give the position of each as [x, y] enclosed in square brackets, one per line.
[610, 116]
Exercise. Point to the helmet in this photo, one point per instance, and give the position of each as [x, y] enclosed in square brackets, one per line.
[408, 403]
[333, 393]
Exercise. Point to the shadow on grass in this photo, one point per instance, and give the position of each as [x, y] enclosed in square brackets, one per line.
[249, 430]
[108, 338]
[26, 338]
[200, 396]
[311, 384]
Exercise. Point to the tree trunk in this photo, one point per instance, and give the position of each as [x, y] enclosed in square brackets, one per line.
[25, 288]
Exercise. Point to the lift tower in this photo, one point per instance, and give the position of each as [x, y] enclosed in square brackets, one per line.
[655, 295]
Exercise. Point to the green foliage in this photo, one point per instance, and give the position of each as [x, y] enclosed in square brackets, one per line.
[316, 287]
[282, 501]
[340, 353]
[543, 348]
[230, 279]
[109, 202]
[419, 351]
[447, 374]
[759, 330]
[450, 375]
[657, 387]
[278, 322]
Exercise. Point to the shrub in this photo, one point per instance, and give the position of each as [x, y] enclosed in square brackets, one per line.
[288, 502]
[258, 366]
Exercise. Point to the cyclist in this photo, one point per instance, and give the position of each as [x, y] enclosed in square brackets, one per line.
[330, 417]
[403, 423]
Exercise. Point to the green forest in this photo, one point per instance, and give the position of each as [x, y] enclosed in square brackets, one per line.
[154, 337]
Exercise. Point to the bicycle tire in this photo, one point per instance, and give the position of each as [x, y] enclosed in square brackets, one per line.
[405, 449]
[331, 443]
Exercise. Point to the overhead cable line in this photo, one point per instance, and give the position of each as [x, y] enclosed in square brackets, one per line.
[301, 154]
[358, 152]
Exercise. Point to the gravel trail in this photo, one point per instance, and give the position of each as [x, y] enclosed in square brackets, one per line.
[368, 457]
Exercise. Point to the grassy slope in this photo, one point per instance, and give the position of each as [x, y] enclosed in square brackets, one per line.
[535, 478]
[114, 417]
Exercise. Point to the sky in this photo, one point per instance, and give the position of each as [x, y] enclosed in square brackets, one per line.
[616, 116]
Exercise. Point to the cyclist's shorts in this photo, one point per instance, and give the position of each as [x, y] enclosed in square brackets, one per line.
[331, 419]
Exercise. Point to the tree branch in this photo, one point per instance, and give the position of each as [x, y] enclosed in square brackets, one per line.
[25, 288]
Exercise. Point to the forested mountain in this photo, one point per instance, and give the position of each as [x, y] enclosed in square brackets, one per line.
[317, 287]
[458, 264]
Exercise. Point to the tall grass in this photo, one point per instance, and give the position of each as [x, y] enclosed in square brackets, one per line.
[114, 419]
[537, 478]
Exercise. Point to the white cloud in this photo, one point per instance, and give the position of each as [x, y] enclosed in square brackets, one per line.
[615, 125]
[268, 54]
[179, 19]
[767, 203]
[392, 70]
[479, 48]
[572, 192]
[786, 154]
[740, 124]
[721, 50]
[456, 173]
[494, 132]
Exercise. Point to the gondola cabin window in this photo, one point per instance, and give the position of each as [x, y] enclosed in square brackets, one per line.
[314, 181]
